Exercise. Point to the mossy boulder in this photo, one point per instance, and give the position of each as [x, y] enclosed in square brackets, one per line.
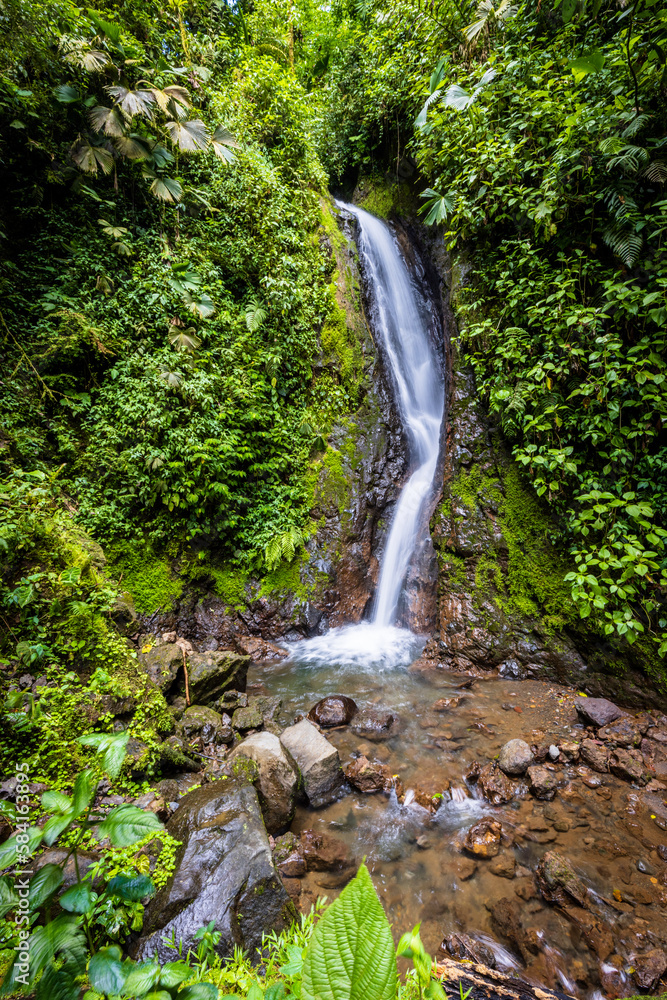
[162, 663]
[214, 672]
[205, 722]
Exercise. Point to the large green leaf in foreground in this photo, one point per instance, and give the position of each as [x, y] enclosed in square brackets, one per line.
[351, 953]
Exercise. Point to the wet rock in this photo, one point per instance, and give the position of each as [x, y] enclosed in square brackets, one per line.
[595, 754]
[569, 752]
[369, 777]
[515, 757]
[162, 663]
[649, 968]
[175, 757]
[504, 865]
[628, 765]
[336, 710]
[558, 882]
[224, 872]
[625, 732]
[259, 649]
[598, 711]
[378, 724]
[317, 760]
[288, 856]
[554, 752]
[543, 782]
[247, 718]
[56, 856]
[464, 948]
[269, 706]
[445, 704]
[483, 839]
[324, 853]
[494, 785]
[213, 673]
[506, 920]
[277, 781]
[597, 934]
[465, 868]
[199, 720]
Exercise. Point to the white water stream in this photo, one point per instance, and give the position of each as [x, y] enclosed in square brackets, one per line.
[401, 325]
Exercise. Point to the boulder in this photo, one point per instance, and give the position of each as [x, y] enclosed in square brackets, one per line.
[483, 839]
[199, 720]
[247, 718]
[515, 757]
[224, 873]
[212, 673]
[378, 724]
[649, 967]
[323, 853]
[495, 787]
[625, 732]
[277, 780]
[558, 882]
[543, 782]
[595, 754]
[259, 649]
[162, 663]
[174, 757]
[598, 711]
[367, 777]
[336, 710]
[317, 760]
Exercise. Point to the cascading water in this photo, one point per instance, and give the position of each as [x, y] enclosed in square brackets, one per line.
[400, 323]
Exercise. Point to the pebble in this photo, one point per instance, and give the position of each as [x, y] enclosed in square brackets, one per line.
[645, 867]
[554, 752]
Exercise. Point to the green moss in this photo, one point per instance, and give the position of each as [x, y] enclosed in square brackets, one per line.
[147, 576]
[384, 198]
[330, 226]
[333, 487]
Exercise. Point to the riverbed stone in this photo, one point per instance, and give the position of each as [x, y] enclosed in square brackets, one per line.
[543, 782]
[369, 777]
[558, 882]
[376, 724]
[649, 967]
[334, 710]
[595, 755]
[514, 757]
[483, 838]
[277, 781]
[625, 732]
[214, 672]
[324, 853]
[494, 785]
[317, 760]
[200, 720]
[598, 711]
[628, 765]
[224, 872]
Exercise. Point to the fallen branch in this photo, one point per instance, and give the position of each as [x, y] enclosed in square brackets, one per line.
[480, 983]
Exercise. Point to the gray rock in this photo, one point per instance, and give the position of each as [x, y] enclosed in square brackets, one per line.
[162, 664]
[277, 781]
[224, 872]
[317, 760]
[376, 724]
[334, 710]
[598, 711]
[515, 757]
[249, 717]
[214, 672]
[543, 783]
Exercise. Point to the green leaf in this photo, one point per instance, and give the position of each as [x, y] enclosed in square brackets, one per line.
[9, 850]
[199, 991]
[106, 971]
[142, 978]
[56, 825]
[128, 824]
[43, 884]
[592, 62]
[79, 899]
[130, 888]
[66, 94]
[351, 953]
[83, 792]
[174, 973]
[56, 802]
[8, 895]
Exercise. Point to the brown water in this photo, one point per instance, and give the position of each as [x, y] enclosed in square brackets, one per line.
[416, 857]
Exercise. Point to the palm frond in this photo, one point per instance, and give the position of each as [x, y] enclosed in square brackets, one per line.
[190, 137]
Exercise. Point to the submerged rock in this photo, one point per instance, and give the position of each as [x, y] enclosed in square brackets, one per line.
[558, 882]
[224, 872]
[213, 673]
[515, 757]
[277, 780]
[317, 760]
[483, 839]
[378, 724]
[598, 711]
[336, 710]
[465, 948]
[323, 853]
[649, 967]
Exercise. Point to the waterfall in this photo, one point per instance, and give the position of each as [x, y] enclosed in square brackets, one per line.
[400, 323]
